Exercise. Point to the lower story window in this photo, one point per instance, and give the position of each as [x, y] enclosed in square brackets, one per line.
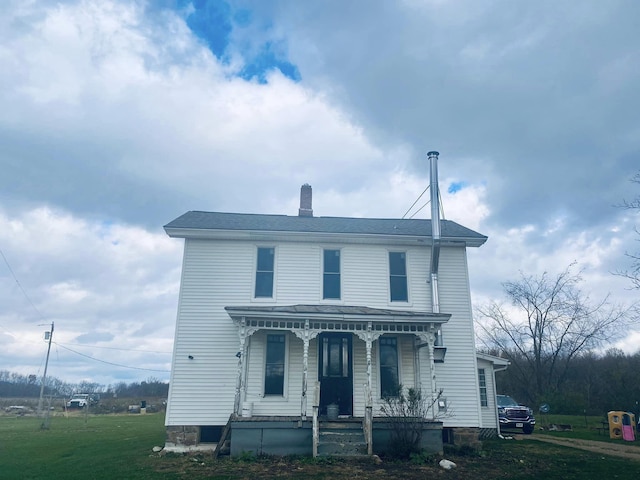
[274, 368]
[389, 381]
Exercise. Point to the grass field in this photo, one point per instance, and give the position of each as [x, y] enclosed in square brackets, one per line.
[120, 447]
[92, 447]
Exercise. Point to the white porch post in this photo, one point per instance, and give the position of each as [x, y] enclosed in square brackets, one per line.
[306, 336]
[241, 387]
[368, 337]
[430, 338]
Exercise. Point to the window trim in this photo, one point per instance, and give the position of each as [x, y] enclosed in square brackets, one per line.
[406, 277]
[484, 401]
[285, 383]
[273, 273]
[322, 275]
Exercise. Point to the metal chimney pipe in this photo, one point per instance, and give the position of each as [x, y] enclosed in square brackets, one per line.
[435, 229]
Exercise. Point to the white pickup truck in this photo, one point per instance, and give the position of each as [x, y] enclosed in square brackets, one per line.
[81, 400]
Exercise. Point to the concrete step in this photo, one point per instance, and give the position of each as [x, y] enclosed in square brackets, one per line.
[342, 449]
[341, 439]
[347, 436]
[338, 425]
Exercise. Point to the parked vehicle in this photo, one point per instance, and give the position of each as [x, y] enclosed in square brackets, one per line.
[513, 415]
[81, 400]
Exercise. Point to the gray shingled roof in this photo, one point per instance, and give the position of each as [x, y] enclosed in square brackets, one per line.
[337, 312]
[330, 309]
[195, 220]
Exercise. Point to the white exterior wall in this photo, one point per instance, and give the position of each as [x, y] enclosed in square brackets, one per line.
[222, 273]
[457, 376]
[490, 412]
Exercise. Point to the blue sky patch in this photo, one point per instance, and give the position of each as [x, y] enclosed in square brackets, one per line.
[213, 21]
[265, 61]
[455, 187]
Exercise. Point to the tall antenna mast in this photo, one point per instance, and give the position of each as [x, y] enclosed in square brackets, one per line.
[46, 364]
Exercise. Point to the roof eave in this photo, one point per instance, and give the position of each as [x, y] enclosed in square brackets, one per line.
[280, 235]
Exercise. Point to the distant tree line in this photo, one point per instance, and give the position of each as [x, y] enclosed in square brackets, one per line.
[594, 384]
[25, 386]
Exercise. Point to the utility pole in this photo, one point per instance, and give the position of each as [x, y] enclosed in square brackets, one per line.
[46, 364]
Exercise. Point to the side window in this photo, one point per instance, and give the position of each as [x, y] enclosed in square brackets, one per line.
[264, 272]
[331, 275]
[389, 380]
[482, 381]
[398, 277]
[274, 368]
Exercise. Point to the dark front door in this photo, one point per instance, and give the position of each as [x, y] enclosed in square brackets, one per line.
[335, 372]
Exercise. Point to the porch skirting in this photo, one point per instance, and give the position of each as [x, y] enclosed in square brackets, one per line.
[289, 436]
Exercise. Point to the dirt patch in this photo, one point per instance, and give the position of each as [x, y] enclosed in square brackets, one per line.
[623, 450]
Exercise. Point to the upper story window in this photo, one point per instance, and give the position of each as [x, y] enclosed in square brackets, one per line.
[482, 381]
[398, 277]
[275, 362]
[389, 378]
[331, 275]
[264, 272]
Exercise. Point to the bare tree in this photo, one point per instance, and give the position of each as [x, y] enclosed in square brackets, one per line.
[633, 273]
[552, 323]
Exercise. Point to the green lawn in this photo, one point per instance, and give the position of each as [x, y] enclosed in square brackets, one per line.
[95, 447]
[582, 427]
[120, 447]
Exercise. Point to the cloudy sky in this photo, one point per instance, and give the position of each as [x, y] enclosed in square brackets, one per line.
[118, 116]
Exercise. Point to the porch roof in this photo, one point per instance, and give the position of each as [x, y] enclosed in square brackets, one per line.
[332, 313]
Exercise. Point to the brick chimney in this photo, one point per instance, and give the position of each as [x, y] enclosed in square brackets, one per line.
[305, 209]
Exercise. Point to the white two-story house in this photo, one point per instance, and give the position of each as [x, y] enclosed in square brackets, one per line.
[284, 321]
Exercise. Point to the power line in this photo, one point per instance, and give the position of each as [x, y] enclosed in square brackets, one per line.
[20, 286]
[111, 363]
[116, 348]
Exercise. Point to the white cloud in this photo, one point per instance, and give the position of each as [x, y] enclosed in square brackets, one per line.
[114, 121]
[89, 278]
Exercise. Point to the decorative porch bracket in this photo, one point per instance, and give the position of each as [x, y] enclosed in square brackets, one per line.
[244, 332]
[306, 336]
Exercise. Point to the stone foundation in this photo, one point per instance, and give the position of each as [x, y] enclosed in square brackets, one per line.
[466, 437]
[182, 438]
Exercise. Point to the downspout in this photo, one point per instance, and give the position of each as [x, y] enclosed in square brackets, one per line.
[495, 396]
[435, 230]
[435, 260]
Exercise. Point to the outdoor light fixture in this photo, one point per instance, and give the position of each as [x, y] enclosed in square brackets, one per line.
[239, 354]
[439, 353]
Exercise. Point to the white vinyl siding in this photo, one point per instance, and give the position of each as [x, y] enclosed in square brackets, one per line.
[489, 413]
[218, 273]
[458, 375]
[215, 274]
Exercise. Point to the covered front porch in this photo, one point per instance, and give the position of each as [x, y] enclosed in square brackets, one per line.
[335, 379]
